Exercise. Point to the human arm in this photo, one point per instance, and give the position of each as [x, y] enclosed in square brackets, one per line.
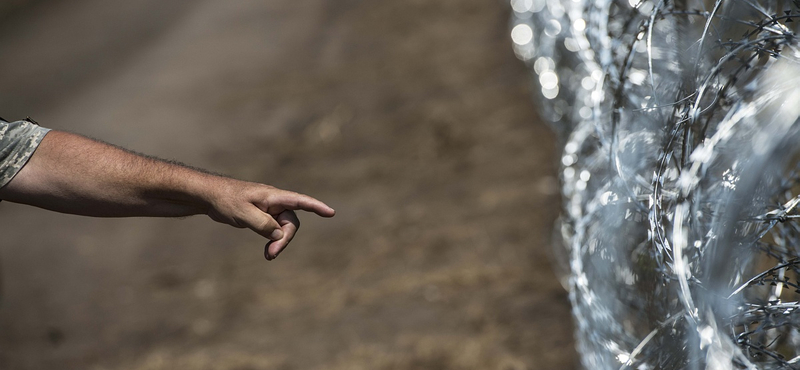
[72, 174]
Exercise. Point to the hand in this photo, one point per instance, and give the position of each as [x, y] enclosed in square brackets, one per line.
[264, 209]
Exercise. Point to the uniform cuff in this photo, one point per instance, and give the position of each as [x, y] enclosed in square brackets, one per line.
[18, 141]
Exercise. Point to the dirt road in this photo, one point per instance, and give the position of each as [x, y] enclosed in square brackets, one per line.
[412, 118]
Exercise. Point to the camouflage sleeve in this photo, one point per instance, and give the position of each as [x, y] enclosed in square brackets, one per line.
[18, 141]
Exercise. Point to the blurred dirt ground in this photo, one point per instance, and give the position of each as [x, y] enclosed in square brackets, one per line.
[411, 118]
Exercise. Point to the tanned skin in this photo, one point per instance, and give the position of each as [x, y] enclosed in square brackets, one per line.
[73, 174]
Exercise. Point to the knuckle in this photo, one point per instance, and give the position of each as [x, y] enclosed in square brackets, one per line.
[267, 225]
[270, 197]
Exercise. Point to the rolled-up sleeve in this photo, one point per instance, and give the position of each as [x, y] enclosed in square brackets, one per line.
[18, 141]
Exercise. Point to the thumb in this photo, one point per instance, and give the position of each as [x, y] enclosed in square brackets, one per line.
[262, 223]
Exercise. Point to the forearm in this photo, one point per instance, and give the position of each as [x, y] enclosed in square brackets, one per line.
[73, 174]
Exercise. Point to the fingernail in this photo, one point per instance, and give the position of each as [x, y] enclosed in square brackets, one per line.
[277, 234]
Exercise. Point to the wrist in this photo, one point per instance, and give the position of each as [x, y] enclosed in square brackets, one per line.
[206, 190]
[193, 190]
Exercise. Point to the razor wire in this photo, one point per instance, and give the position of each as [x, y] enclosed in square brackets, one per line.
[680, 174]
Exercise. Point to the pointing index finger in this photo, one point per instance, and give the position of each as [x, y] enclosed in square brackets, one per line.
[295, 201]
